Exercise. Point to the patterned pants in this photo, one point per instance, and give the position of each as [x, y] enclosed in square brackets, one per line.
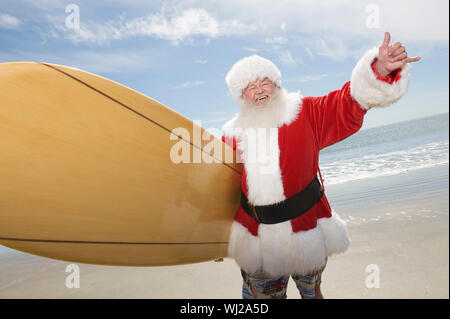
[259, 286]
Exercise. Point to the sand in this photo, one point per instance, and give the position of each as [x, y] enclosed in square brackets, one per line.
[404, 235]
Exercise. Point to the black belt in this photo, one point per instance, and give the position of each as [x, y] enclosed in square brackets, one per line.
[288, 209]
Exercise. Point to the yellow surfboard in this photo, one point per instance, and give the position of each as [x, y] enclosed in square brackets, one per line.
[87, 173]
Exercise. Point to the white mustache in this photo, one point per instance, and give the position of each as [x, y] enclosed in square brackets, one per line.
[261, 96]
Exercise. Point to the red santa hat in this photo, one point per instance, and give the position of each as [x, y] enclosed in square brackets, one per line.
[249, 69]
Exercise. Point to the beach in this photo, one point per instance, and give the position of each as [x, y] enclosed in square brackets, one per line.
[398, 224]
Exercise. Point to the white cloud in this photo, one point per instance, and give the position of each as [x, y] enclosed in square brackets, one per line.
[173, 25]
[287, 59]
[333, 48]
[254, 50]
[309, 52]
[189, 84]
[340, 26]
[188, 23]
[8, 21]
[307, 78]
[276, 40]
[415, 20]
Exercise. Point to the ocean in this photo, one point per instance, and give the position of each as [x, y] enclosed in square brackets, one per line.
[387, 150]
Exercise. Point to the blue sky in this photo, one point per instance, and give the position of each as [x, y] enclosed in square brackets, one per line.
[178, 52]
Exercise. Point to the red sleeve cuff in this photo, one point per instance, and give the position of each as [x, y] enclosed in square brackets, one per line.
[392, 77]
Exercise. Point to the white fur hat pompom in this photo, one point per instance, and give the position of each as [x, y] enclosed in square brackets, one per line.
[249, 69]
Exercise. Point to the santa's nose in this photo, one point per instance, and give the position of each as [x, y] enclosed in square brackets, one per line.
[259, 90]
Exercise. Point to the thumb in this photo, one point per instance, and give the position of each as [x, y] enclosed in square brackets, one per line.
[387, 39]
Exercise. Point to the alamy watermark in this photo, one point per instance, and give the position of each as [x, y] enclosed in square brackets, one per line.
[73, 279]
[373, 19]
[73, 16]
[373, 279]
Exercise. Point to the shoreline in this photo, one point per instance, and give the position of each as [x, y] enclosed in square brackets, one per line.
[413, 184]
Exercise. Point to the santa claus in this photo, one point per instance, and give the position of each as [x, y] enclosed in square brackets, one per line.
[285, 225]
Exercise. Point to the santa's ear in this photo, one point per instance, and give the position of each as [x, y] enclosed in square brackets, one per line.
[276, 85]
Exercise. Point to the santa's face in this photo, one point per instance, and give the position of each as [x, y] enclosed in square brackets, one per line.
[259, 92]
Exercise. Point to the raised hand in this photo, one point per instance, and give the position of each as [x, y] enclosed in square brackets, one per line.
[391, 57]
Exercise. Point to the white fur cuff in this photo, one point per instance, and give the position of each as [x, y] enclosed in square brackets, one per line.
[368, 91]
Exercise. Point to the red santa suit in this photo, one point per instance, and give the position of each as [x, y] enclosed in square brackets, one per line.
[304, 126]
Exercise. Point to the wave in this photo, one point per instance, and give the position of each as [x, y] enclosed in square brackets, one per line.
[391, 163]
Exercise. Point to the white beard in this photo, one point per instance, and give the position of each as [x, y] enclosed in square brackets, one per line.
[273, 114]
[268, 115]
[282, 108]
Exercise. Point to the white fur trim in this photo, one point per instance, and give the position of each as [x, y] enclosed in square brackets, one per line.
[285, 252]
[262, 165]
[247, 70]
[277, 250]
[245, 248]
[293, 106]
[261, 156]
[368, 91]
[337, 239]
